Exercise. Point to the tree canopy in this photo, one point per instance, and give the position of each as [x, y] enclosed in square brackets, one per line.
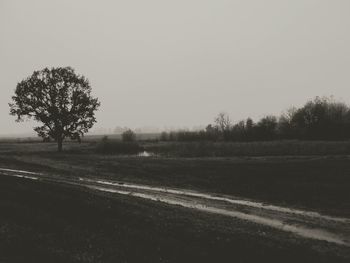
[58, 98]
[319, 119]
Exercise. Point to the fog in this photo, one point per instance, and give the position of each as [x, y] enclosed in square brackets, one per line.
[178, 63]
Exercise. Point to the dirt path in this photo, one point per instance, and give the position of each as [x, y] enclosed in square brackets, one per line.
[304, 224]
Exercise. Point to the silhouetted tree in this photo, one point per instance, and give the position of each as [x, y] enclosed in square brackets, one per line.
[237, 132]
[212, 132]
[58, 98]
[249, 129]
[223, 122]
[322, 118]
[319, 119]
[128, 136]
[285, 127]
[223, 125]
[266, 128]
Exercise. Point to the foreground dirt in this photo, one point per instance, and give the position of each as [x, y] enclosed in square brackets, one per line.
[327, 234]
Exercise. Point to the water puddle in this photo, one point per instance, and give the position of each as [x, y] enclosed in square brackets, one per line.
[213, 204]
[18, 171]
[24, 176]
[219, 198]
[305, 232]
[145, 154]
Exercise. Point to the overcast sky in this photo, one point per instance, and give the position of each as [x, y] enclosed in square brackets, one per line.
[180, 62]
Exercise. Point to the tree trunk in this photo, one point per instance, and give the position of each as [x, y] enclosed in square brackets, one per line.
[59, 144]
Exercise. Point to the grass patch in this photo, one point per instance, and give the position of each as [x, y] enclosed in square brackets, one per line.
[118, 147]
[270, 148]
[319, 183]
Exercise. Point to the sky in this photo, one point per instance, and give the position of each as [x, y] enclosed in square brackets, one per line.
[178, 63]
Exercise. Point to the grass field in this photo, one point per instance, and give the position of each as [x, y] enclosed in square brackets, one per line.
[318, 183]
[228, 149]
[45, 222]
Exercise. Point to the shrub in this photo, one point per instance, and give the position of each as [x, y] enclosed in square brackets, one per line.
[128, 136]
[107, 146]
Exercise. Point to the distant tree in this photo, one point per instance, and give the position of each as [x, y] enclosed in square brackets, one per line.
[212, 132]
[223, 122]
[211, 129]
[285, 127]
[237, 132]
[249, 129]
[128, 136]
[322, 118]
[266, 128]
[58, 98]
[249, 124]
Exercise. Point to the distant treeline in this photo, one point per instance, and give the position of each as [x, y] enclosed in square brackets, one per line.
[318, 119]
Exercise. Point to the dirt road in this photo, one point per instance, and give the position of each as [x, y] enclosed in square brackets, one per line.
[304, 224]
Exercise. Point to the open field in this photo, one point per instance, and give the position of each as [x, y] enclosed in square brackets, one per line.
[318, 183]
[67, 223]
[196, 149]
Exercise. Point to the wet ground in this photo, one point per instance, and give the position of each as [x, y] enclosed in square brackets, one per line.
[303, 224]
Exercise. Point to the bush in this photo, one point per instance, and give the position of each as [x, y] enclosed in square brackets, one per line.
[107, 146]
[128, 136]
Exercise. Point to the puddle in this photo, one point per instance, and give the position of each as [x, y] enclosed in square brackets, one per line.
[23, 176]
[145, 154]
[177, 198]
[305, 232]
[224, 199]
[18, 171]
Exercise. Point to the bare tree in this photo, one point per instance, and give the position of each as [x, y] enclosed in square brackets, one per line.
[223, 122]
